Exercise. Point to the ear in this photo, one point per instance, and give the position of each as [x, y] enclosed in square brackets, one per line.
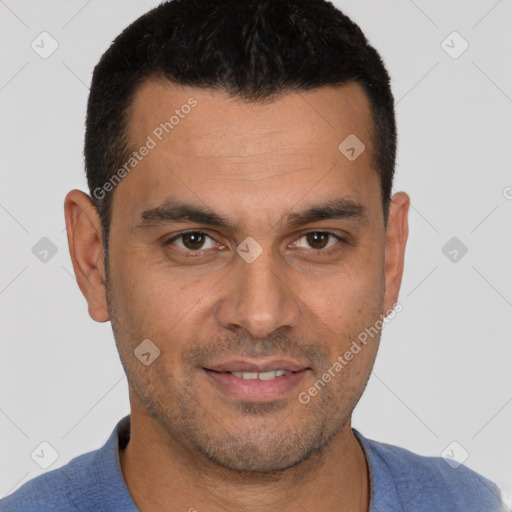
[85, 247]
[397, 231]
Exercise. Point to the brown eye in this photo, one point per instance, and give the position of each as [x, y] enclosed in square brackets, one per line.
[317, 240]
[193, 241]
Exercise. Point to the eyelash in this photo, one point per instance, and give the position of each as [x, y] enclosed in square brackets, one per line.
[327, 251]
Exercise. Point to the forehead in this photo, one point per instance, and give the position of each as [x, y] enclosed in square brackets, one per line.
[320, 115]
[205, 142]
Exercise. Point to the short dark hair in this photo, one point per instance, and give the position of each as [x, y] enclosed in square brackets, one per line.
[254, 50]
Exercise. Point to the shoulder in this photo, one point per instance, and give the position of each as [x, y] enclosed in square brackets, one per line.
[92, 481]
[428, 483]
[53, 490]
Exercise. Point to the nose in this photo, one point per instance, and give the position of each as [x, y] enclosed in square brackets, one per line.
[259, 298]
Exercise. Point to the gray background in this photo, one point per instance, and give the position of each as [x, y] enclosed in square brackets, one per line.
[443, 371]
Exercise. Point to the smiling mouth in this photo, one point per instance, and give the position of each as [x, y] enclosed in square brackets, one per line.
[257, 384]
[267, 375]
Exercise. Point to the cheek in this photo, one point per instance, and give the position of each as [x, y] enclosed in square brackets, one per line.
[161, 306]
[353, 296]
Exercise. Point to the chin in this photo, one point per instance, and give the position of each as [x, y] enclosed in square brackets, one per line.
[260, 452]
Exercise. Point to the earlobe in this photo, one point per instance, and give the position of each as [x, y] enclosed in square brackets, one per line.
[397, 231]
[86, 251]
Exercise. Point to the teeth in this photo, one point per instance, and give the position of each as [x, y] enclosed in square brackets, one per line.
[267, 375]
[261, 375]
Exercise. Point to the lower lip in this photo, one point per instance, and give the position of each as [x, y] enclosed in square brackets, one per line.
[256, 390]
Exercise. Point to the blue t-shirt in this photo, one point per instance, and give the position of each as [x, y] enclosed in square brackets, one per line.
[399, 480]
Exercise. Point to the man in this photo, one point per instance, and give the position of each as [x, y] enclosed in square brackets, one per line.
[241, 237]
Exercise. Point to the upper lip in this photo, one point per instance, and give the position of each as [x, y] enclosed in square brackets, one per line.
[257, 366]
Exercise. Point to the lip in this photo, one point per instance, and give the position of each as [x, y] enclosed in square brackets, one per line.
[256, 390]
[258, 366]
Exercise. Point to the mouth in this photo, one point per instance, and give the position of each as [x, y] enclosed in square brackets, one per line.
[272, 374]
[261, 381]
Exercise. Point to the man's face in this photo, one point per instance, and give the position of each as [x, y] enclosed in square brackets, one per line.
[265, 290]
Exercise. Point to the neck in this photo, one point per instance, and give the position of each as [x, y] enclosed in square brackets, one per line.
[162, 474]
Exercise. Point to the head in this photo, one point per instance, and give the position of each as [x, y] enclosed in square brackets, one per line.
[230, 223]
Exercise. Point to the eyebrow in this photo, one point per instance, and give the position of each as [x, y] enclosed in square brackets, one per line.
[342, 208]
[173, 211]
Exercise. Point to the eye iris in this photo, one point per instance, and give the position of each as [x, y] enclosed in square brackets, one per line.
[193, 240]
[317, 238]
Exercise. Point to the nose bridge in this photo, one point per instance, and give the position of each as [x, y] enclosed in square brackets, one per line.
[258, 297]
